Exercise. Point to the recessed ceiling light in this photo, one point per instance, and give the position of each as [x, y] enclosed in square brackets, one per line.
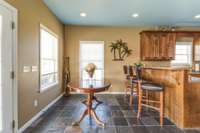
[197, 16]
[135, 15]
[82, 14]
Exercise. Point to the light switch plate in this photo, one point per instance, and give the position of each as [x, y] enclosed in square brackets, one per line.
[34, 68]
[26, 69]
[35, 103]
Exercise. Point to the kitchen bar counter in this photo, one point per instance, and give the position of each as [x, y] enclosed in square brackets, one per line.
[182, 100]
[168, 68]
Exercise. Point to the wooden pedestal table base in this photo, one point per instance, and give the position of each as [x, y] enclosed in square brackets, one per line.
[90, 111]
[90, 88]
[93, 98]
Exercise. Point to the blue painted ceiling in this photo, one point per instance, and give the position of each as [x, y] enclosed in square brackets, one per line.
[119, 12]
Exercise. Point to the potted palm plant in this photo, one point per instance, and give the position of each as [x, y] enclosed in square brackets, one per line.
[113, 49]
[126, 52]
[121, 49]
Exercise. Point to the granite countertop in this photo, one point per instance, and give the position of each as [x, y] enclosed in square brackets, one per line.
[168, 68]
[194, 72]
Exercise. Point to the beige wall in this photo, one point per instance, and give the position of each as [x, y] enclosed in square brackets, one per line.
[113, 69]
[31, 14]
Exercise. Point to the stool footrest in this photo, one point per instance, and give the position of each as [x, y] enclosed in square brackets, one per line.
[152, 107]
[150, 101]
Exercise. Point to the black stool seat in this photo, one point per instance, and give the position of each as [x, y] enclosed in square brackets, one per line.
[135, 81]
[152, 87]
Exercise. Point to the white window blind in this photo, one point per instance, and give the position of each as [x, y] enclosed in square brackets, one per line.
[197, 53]
[183, 53]
[48, 58]
[92, 52]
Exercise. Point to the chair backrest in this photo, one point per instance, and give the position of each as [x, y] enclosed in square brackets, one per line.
[138, 72]
[130, 70]
[125, 69]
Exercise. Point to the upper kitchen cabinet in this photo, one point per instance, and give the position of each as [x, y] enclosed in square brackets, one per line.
[157, 45]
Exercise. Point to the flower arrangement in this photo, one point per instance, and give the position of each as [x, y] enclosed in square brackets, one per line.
[90, 68]
[138, 65]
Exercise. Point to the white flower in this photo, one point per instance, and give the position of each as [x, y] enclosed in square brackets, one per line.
[90, 67]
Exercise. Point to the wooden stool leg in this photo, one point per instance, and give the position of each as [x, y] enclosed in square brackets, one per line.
[161, 107]
[147, 97]
[125, 91]
[131, 98]
[137, 89]
[139, 100]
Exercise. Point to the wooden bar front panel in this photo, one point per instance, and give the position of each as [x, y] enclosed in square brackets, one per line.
[174, 82]
[192, 105]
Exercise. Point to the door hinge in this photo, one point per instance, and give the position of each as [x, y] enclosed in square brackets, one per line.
[13, 124]
[12, 75]
[13, 25]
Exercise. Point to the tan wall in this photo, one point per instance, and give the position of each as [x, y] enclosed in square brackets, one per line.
[31, 14]
[113, 69]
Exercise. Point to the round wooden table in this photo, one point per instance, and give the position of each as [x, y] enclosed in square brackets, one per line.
[90, 87]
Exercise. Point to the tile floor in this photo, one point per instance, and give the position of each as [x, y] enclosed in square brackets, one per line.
[115, 112]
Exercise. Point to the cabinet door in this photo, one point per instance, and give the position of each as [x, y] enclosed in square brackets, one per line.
[171, 45]
[145, 46]
[163, 46]
[154, 52]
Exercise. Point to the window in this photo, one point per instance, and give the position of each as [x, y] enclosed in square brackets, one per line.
[197, 53]
[48, 58]
[183, 53]
[92, 52]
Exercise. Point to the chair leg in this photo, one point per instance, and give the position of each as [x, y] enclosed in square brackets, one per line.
[147, 97]
[125, 91]
[161, 108]
[131, 98]
[139, 100]
[137, 90]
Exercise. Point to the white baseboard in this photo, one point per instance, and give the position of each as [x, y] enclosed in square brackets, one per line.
[27, 124]
[107, 92]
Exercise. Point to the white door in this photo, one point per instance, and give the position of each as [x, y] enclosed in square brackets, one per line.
[6, 82]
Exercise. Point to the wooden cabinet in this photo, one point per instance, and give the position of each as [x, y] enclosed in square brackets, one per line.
[158, 45]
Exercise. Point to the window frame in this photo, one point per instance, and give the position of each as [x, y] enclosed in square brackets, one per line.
[191, 58]
[196, 54]
[51, 86]
[91, 43]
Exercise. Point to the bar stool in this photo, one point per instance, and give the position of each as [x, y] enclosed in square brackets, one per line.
[129, 85]
[128, 77]
[135, 84]
[155, 88]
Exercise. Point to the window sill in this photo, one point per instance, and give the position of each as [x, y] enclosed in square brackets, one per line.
[180, 65]
[48, 87]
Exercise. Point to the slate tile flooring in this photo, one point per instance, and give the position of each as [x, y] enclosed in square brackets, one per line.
[114, 111]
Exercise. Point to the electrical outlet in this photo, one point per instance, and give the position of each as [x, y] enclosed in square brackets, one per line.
[26, 69]
[34, 68]
[35, 103]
